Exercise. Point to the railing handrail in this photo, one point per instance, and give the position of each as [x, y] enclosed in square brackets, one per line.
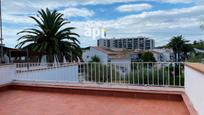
[166, 73]
[127, 63]
[125, 73]
[27, 67]
[74, 63]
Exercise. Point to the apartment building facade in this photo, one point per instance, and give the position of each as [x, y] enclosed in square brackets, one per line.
[141, 43]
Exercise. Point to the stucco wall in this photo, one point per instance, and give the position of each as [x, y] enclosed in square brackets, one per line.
[62, 74]
[194, 86]
[7, 74]
[92, 52]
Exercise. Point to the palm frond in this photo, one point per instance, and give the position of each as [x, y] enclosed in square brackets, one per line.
[51, 36]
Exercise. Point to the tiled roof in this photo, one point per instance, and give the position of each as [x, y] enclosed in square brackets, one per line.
[105, 50]
[121, 54]
[114, 54]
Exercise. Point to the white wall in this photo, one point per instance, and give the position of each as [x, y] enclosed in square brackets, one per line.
[166, 56]
[121, 61]
[165, 52]
[194, 86]
[123, 64]
[157, 57]
[7, 74]
[92, 52]
[62, 74]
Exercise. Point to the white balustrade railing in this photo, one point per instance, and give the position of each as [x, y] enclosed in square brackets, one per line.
[169, 74]
[165, 74]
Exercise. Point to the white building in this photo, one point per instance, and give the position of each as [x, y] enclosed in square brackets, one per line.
[106, 55]
[125, 56]
[119, 58]
[198, 50]
[163, 55]
[141, 43]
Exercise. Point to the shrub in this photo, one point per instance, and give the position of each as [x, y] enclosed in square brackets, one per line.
[97, 72]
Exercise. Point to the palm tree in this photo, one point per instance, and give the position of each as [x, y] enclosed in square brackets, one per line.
[51, 36]
[178, 44]
[186, 49]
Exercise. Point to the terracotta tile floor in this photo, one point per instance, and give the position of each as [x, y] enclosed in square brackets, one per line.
[19, 102]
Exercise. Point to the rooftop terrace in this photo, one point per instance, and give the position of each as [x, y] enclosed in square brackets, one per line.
[22, 101]
[74, 89]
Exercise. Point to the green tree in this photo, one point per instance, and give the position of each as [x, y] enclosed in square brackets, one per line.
[186, 49]
[95, 59]
[197, 56]
[198, 44]
[179, 46]
[147, 57]
[51, 36]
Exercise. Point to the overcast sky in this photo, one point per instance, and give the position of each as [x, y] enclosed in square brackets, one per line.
[157, 19]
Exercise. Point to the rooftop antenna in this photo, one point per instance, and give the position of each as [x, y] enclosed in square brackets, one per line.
[1, 35]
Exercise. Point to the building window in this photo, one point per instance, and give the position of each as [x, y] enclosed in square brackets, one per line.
[98, 43]
[124, 43]
[116, 43]
[108, 43]
[120, 44]
[109, 60]
[129, 43]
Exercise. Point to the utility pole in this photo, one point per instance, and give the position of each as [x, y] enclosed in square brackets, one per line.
[1, 35]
